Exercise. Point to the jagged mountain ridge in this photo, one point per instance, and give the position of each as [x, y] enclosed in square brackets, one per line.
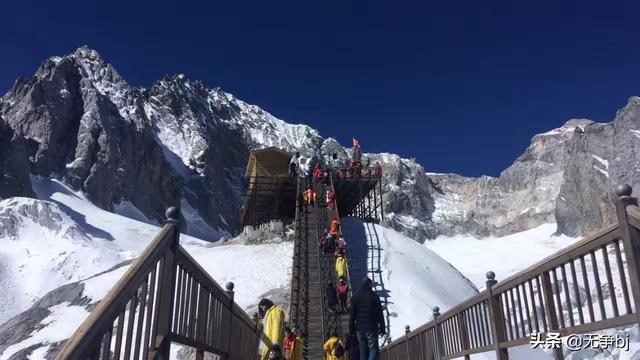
[180, 142]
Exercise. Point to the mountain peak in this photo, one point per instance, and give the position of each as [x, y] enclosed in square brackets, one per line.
[84, 52]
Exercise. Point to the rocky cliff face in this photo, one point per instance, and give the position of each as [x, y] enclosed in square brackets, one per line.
[180, 142]
[565, 176]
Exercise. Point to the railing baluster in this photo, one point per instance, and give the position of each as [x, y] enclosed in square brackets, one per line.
[119, 329]
[133, 304]
[526, 306]
[462, 331]
[505, 304]
[477, 325]
[565, 286]
[576, 289]
[519, 302]
[187, 301]
[149, 325]
[178, 303]
[141, 313]
[587, 288]
[607, 269]
[623, 277]
[486, 322]
[106, 344]
[543, 304]
[201, 322]
[550, 310]
[596, 276]
[556, 287]
[515, 314]
[533, 307]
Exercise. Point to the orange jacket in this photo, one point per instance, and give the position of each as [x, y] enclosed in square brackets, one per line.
[309, 196]
[335, 228]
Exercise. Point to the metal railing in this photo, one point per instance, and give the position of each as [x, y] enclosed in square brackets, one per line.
[164, 297]
[543, 298]
[346, 172]
[298, 288]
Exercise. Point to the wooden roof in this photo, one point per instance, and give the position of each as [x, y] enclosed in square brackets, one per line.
[267, 155]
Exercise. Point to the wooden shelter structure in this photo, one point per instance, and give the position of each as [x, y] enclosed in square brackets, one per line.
[271, 194]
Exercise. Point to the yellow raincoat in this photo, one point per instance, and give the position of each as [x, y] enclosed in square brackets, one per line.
[296, 351]
[328, 349]
[273, 330]
[341, 267]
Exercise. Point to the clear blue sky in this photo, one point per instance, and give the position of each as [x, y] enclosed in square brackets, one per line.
[460, 85]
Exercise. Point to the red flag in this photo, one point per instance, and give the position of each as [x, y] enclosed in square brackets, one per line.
[355, 143]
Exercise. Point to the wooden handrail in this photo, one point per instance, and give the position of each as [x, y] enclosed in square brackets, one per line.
[501, 317]
[111, 305]
[165, 296]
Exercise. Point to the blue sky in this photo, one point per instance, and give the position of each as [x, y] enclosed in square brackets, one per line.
[460, 85]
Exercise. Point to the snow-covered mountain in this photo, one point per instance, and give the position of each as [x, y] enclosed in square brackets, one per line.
[179, 142]
[89, 163]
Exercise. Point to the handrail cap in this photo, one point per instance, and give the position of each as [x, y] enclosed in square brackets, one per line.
[173, 213]
[623, 190]
[229, 286]
[491, 275]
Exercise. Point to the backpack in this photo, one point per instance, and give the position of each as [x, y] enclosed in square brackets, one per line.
[342, 290]
[338, 350]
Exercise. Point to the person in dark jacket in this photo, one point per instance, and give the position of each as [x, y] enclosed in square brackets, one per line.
[293, 169]
[310, 174]
[367, 320]
[332, 296]
[330, 245]
[343, 293]
[353, 347]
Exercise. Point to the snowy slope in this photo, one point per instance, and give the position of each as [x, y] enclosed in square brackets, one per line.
[245, 265]
[78, 245]
[60, 239]
[42, 248]
[475, 256]
[415, 278]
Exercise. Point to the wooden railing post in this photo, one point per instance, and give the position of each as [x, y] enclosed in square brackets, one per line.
[166, 286]
[630, 241]
[407, 330]
[437, 334]
[497, 318]
[463, 333]
[230, 293]
[550, 310]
